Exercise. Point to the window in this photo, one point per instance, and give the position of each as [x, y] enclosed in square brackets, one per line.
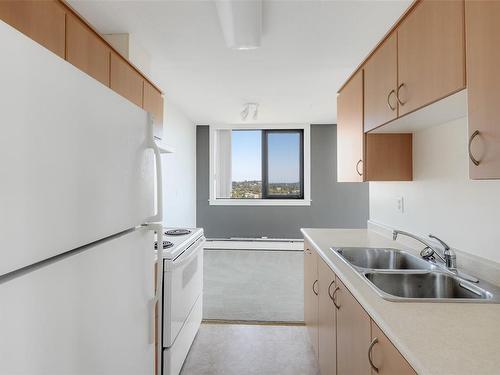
[283, 164]
[260, 166]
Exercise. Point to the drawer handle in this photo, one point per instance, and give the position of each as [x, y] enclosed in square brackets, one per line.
[329, 289]
[471, 157]
[357, 167]
[372, 344]
[392, 92]
[334, 295]
[397, 94]
[314, 290]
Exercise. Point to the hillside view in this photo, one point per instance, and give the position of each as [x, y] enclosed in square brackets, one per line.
[253, 189]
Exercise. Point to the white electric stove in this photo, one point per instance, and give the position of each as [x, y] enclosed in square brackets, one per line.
[182, 294]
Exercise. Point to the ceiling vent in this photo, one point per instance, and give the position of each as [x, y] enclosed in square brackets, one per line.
[241, 22]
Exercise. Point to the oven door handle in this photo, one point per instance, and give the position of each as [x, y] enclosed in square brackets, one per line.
[189, 254]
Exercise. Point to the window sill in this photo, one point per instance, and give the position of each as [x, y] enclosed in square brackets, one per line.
[259, 202]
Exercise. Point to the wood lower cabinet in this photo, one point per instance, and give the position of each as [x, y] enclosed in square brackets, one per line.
[125, 80]
[153, 103]
[385, 357]
[346, 340]
[380, 85]
[86, 51]
[327, 322]
[431, 53]
[482, 20]
[41, 20]
[353, 334]
[311, 294]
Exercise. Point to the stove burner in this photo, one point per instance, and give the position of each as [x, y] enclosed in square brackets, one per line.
[166, 245]
[177, 232]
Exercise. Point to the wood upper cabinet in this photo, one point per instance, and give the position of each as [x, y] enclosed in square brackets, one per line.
[86, 50]
[41, 20]
[153, 103]
[482, 19]
[327, 331]
[389, 157]
[370, 157]
[350, 131]
[380, 85]
[125, 80]
[431, 53]
[311, 294]
[353, 334]
[385, 357]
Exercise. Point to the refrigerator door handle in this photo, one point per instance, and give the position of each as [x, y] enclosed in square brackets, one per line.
[156, 303]
[158, 217]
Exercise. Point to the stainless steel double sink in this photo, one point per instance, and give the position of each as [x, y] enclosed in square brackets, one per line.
[399, 276]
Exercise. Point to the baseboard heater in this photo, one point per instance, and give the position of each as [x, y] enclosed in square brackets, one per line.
[257, 239]
[255, 244]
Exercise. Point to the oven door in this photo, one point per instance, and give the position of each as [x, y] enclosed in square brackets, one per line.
[183, 284]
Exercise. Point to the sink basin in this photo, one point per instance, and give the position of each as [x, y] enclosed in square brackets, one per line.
[382, 259]
[437, 286]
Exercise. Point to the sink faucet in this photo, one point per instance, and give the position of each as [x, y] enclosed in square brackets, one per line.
[449, 257]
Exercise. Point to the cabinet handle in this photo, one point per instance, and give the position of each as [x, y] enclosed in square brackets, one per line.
[372, 344]
[329, 289]
[334, 294]
[397, 94]
[314, 290]
[471, 157]
[393, 92]
[307, 251]
[357, 167]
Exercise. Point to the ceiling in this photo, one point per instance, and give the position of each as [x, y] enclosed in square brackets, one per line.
[308, 49]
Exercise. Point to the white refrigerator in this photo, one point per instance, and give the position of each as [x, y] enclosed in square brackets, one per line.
[78, 170]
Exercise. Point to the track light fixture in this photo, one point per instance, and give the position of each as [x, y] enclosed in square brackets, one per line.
[249, 108]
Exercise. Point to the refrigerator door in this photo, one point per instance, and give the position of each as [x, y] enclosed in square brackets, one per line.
[75, 157]
[87, 313]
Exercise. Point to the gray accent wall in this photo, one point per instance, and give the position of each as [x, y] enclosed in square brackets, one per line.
[334, 205]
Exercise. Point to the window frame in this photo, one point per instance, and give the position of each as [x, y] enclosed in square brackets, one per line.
[265, 163]
[281, 201]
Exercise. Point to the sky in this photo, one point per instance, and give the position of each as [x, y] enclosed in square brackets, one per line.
[283, 156]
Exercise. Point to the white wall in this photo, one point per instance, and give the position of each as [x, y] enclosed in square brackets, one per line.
[441, 199]
[179, 169]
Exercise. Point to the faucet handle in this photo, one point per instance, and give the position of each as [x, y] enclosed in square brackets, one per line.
[445, 246]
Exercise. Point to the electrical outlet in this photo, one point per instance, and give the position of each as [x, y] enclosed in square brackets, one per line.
[400, 205]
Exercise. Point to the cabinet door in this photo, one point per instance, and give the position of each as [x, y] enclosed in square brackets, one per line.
[311, 294]
[483, 86]
[86, 51]
[125, 80]
[153, 103]
[388, 157]
[327, 332]
[385, 357]
[381, 81]
[350, 133]
[431, 53]
[43, 21]
[353, 334]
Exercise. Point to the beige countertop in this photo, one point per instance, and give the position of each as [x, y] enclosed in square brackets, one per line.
[435, 338]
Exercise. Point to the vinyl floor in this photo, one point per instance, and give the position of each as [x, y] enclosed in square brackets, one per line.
[236, 349]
